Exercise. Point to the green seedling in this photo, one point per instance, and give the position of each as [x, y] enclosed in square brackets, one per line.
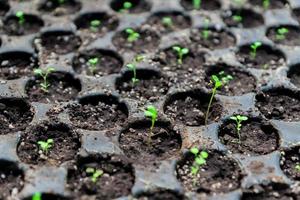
[197, 4]
[46, 145]
[199, 160]
[218, 81]
[238, 120]
[167, 22]
[21, 17]
[132, 35]
[205, 31]
[93, 64]
[126, 6]
[266, 4]
[37, 196]
[297, 167]
[180, 53]
[96, 173]
[94, 25]
[254, 48]
[44, 74]
[281, 33]
[132, 67]
[237, 18]
[151, 112]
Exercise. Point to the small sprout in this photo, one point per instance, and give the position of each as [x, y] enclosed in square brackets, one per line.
[199, 160]
[37, 196]
[297, 167]
[94, 25]
[151, 112]
[167, 22]
[96, 173]
[21, 17]
[93, 64]
[197, 4]
[180, 53]
[45, 146]
[281, 33]
[239, 119]
[237, 18]
[126, 6]
[254, 47]
[218, 81]
[266, 4]
[132, 67]
[132, 35]
[205, 32]
[44, 74]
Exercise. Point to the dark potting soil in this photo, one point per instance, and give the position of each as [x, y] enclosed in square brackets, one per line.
[150, 86]
[163, 144]
[161, 195]
[217, 39]
[280, 104]
[205, 4]
[138, 6]
[60, 42]
[289, 160]
[116, 181]
[220, 174]
[148, 40]
[250, 19]
[4, 7]
[15, 115]
[291, 38]
[68, 7]
[178, 21]
[11, 179]
[257, 137]
[31, 25]
[63, 87]
[108, 62]
[97, 115]
[242, 82]
[190, 108]
[274, 4]
[14, 65]
[266, 58]
[65, 146]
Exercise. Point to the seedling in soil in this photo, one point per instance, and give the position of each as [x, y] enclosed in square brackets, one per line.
[237, 18]
[126, 6]
[266, 4]
[94, 25]
[205, 32]
[297, 167]
[197, 4]
[180, 53]
[199, 160]
[238, 120]
[93, 64]
[167, 22]
[132, 67]
[151, 112]
[44, 74]
[254, 48]
[96, 173]
[37, 196]
[218, 81]
[132, 35]
[281, 33]
[21, 17]
[46, 145]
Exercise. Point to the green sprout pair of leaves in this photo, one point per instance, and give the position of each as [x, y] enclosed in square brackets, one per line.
[37, 196]
[218, 81]
[197, 4]
[254, 48]
[151, 113]
[205, 31]
[94, 25]
[132, 67]
[167, 22]
[96, 173]
[132, 35]
[180, 53]
[281, 33]
[297, 167]
[237, 18]
[266, 4]
[238, 120]
[44, 73]
[126, 6]
[199, 160]
[21, 17]
[92, 62]
[46, 145]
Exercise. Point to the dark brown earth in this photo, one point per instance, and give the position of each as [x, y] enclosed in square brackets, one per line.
[294, 75]
[250, 19]
[274, 4]
[292, 38]
[4, 7]
[138, 6]
[289, 160]
[205, 5]
[69, 7]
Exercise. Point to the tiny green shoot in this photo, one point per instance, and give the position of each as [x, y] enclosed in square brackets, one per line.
[238, 120]
[180, 53]
[93, 64]
[254, 48]
[36, 196]
[44, 74]
[205, 31]
[94, 25]
[132, 67]
[218, 81]
[197, 4]
[297, 167]
[132, 35]
[46, 145]
[21, 17]
[237, 18]
[126, 6]
[151, 112]
[199, 160]
[167, 22]
[281, 33]
[96, 173]
[266, 4]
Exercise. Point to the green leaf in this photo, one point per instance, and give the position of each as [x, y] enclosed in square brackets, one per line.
[90, 170]
[233, 118]
[129, 31]
[200, 161]
[37, 196]
[148, 113]
[131, 66]
[185, 51]
[194, 150]
[38, 72]
[176, 48]
[50, 69]
[20, 14]
[243, 118]
[204, 154]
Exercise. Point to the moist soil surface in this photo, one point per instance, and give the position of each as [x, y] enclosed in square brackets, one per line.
[291, 38]
[205, 5]
[65, 146]
[274, 4]
[163, 143]
[289, 160]
[220, 174]
[250, 19]
[116, 181]
[138, 6]
[294, 75]
[256, 137]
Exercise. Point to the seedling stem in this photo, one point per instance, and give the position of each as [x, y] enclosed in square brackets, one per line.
[151, 112]
[44, 74]
[239, 119]
[132, 35]
[21, 17]
[281, 33]
[132, 67]
[45, 146]
[199, 160]
[180, 53]
[205, 32]
[93, 64]
[96, 173]
[254, 48]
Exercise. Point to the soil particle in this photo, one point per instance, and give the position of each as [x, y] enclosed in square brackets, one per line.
[205, 5]
[289, 160]
[249, 18]
[290, 39]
